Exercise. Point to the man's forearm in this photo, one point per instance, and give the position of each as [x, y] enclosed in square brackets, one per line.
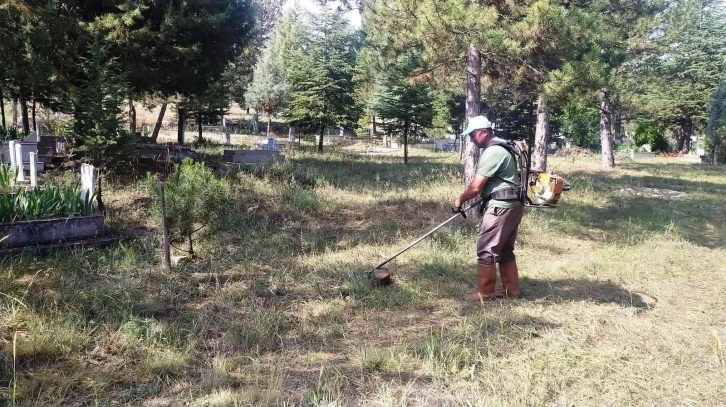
[468, 195]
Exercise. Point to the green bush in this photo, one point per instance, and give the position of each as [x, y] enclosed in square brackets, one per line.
[648, 133]
[195, 199]
[581, 124]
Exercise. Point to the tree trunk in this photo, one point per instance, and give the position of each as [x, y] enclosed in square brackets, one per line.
[473, 108]
[373, 127]
[618, 127]
[159, 120]
[684, 136]
[200, 138]
[24, 113]
[405, 142]
[180, 127]
[132, 117]
[606, 141]
[35, 123]
[2, 106]
[291, 135]
[15, 112]
[320, 142]
[269, 124]
[541, 135]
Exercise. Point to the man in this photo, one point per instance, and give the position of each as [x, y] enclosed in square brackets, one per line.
[496, 171]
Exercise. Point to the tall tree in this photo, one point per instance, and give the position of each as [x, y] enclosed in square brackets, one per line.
[716, 128]
[607, 30]
[267, 90]
[321, 74]
[401, 102]
[677, 68]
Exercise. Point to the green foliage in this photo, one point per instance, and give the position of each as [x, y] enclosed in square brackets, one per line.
[47, 202]
[195, 199]
[6, 178]
[581, 124]
[401, 102]
[267, 90]
[320, 74]
[648, 133]
[97, 112]
[449, 111]
[11, 133]
[678, 67]
[716, 128]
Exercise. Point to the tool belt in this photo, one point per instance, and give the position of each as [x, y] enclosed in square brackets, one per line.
[504, 194]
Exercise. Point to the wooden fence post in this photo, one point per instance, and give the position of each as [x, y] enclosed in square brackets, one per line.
[167, 250]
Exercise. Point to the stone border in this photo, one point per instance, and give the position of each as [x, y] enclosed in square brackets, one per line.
[56, 231]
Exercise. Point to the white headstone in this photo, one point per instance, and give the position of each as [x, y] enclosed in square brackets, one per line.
[224, 122]
[88, 181]
[19, 161]
[11, 152]
[33, 170]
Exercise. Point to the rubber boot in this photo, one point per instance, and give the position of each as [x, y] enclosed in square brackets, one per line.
[486, 279]
[510, 279]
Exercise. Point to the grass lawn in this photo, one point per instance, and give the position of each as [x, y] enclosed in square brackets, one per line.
[624, 297]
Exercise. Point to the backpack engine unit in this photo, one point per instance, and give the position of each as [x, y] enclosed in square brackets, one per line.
[546, 187]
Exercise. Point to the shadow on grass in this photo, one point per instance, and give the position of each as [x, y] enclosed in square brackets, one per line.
[578, 289]
[628, 218]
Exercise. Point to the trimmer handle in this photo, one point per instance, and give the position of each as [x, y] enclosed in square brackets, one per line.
[459, 210]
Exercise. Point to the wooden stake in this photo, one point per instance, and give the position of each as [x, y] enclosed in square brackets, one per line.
[167, 250]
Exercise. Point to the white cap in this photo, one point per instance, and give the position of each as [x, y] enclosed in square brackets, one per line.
[476, 123]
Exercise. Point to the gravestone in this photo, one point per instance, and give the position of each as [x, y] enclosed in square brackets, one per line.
[88, 181]
[252, 157]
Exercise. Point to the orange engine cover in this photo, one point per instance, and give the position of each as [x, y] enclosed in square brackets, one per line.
[548, 188]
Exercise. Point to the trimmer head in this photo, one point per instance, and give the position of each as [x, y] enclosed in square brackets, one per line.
[381, 276]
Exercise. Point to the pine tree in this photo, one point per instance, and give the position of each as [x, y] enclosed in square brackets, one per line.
[97, 107]
[267, 90]
[400, 102]
[675, 74]
[321, 74]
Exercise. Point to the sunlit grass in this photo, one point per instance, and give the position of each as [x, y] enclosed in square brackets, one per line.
[623, 296]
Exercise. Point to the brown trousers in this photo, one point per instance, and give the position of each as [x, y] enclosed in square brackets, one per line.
[498, 233]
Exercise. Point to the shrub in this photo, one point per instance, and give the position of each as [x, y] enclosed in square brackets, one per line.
[581, 124]
[648, 133]
[195, 199]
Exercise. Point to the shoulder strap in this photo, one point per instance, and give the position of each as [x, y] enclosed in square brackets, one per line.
[520, 160]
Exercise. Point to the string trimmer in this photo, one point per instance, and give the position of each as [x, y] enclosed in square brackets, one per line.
[382, 276]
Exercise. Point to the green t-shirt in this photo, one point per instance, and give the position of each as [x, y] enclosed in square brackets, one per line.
[500, 167]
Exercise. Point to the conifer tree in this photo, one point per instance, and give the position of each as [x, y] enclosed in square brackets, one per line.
[401, 102]
[320, 75]
[267, 90]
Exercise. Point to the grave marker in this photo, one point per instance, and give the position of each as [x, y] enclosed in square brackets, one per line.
[88, 181]
[33, 170]
[19, 161]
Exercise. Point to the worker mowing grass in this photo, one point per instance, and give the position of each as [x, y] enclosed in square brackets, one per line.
[498, 182]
